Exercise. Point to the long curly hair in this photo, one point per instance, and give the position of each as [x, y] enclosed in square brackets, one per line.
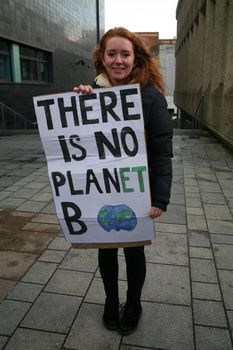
[146, 69]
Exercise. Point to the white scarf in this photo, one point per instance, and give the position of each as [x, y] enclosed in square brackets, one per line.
[102, 80]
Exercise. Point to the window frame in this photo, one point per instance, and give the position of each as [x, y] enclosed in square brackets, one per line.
[37, 61]
[35, 58]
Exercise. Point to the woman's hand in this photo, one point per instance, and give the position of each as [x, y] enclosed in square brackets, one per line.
[155, 212]
[84, 89]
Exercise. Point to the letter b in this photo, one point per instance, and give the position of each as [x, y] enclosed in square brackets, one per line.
[69, 219]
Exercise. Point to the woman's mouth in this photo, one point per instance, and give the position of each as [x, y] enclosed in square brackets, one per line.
[118, 69]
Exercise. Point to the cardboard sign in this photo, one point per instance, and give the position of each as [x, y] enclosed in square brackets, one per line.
[95, 149]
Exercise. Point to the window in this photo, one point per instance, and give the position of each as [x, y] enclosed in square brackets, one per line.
[34, 64]
[20, 63]
[5, 61]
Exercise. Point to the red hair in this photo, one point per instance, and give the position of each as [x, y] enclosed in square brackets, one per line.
[146, 69]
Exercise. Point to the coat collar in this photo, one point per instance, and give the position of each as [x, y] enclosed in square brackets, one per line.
[102, 80]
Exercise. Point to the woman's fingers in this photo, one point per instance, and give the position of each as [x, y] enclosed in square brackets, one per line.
[84, 89]
[155, 212]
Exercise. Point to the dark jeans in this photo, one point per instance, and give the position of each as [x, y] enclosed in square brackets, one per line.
[135, 270]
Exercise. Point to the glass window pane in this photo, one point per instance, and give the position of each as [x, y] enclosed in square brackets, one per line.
[5, 67]
[42, 55]
[43, 71]
[4, 46]
[28, 70]
[34, 64]
[27, 51]
[5, 61]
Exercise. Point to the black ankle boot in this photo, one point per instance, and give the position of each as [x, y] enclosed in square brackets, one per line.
[111, 314]
[131, 314]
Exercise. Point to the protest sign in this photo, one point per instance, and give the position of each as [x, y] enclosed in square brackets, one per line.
[95, 150]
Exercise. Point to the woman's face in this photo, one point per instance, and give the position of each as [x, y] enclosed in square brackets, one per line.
[118, 59]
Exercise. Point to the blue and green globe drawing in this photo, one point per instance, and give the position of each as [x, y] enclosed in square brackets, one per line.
[117, 217]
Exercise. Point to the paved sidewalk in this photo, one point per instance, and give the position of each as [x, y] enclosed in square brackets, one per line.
[52, 296]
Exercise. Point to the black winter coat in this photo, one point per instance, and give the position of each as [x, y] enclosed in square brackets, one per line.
[159, 134]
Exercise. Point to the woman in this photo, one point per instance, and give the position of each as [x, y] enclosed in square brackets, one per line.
[122, 58]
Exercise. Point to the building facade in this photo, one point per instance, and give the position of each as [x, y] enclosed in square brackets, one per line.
[164, 50]
[46, 47]
[168, 66]
[204, 56]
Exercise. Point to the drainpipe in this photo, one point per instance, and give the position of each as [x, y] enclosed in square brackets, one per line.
[97, 21]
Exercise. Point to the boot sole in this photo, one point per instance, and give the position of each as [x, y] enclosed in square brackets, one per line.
[131, 330]
[110, 328]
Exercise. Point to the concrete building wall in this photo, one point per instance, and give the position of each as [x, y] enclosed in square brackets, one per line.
[204, 56]
[66, 30]
[167, 63]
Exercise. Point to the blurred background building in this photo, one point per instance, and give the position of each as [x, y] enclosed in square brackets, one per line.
[164, 51]
[45, 47]
[204, 66]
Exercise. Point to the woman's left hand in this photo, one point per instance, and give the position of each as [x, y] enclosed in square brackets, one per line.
[155, 212]
[84, 89]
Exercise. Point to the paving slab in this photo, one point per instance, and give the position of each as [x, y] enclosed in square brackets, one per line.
[172, 228]
[193, 201]
[223, 256]
[40, 272]
[88, 332]
[206, 291]
[222, 239]
[163, 326]
[15, 264]
[196, 222]
[5, 287]
[213, 198]
[80, 260]
[217, 212]
[29, 339]
[59, 243]
[3, 341]
[226, 280]
[168, 248]
[209, 313]
[52, 255]
[69, 282]
[12, 312]
[172, 284]
[212, 338]
[203, 271]
[29, 241]
[32, 206]
[220, 226]
[52, 312]
[201, 252]
[25, 292]
[174, 214]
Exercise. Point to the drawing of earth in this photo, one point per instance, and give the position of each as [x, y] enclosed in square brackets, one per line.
[117, 217]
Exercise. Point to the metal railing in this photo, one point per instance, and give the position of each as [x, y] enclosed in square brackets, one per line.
[190, 121]
[196, 119]
[10, 119]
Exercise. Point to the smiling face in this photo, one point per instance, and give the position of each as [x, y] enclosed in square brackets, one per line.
[118, 59]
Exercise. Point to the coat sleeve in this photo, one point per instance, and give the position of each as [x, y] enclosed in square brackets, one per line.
[159, 149]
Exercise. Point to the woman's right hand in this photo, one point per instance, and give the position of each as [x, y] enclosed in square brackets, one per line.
[84, 89]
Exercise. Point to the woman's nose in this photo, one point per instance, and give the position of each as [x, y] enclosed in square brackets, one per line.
[118, 59]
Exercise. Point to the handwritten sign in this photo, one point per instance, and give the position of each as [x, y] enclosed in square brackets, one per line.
[95, 150]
